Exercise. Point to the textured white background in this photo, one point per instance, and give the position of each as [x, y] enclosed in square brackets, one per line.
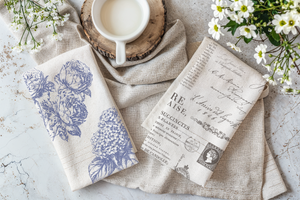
[30, 168]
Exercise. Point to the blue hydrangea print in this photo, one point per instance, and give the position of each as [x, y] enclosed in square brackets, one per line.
[61, 103]
[111, 145]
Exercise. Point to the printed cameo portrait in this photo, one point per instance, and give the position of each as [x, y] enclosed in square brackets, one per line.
[210, 156]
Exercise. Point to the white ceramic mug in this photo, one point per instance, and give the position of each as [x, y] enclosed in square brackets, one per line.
[121, 39]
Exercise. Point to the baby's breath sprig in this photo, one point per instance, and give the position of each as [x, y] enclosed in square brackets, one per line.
[275, 20]
[29, 15]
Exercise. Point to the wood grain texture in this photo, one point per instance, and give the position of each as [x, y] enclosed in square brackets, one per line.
[139, 48]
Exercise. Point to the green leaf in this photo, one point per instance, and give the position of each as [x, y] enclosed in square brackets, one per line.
[230, 23]
[233, 29]
[272, 40]
[232, 26]
[247, 40]
[275, 35]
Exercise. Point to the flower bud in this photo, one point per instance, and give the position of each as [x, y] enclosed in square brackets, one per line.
[270, 55]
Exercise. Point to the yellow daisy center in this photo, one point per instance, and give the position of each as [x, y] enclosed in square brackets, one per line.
[291, 22]
[219, 8]
[216, 28]
[244, 8]
[260, 54]
[282, 23]
[247, 30]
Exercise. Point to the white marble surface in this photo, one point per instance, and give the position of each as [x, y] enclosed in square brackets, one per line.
[30, 168]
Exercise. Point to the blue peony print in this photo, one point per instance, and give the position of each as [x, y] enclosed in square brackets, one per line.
[111, 146]
[61, 103]
[37, 84]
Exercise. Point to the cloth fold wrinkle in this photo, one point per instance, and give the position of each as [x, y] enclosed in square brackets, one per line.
[136, 89]
[170, 52]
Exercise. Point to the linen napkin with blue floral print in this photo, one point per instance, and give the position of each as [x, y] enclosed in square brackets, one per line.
[81, 117]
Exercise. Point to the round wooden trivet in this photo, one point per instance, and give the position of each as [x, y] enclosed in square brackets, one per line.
[139, 48]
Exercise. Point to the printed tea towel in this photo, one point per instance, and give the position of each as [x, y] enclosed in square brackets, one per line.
[194, 121]
[81, 117]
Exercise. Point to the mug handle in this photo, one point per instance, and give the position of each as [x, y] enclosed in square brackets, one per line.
[120, 52]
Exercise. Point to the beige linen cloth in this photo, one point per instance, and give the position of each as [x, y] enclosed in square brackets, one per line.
[247, 169]
[90, 138]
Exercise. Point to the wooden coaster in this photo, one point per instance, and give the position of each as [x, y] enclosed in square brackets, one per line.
[139, 48]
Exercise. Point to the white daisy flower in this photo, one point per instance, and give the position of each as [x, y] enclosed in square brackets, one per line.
[219, 12]
[260, 53]
[234, 47]
[248, 31]
[214, 29]
[280, 23]
[244, 7]
[295, 4]
[233, 5]
[292, 22]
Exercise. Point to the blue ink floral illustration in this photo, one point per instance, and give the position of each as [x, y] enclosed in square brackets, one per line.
[61, 103]
[111, 146]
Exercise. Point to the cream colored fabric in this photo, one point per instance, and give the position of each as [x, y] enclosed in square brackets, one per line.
[192, 124]
[136, 88]
[90, 138]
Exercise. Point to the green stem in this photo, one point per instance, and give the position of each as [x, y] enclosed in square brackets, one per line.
[238, 41]
[28, 25]
[272, 8]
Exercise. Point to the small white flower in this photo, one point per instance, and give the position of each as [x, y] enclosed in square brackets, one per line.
[218, 9]
[286, 89]
[56, 36]
[15, 27]
[214, 29]
[248, 31]
[245, 7]
[266, 76]
[58, 2]
[234, 17]
[31, 15]
[279, 71]
[65, 18]
[18, 48]
[279, 22]
[295, 91]
[268, 67]
[288, 80]
[270, 79]
[37, 47]
[49, 5]
[234, 47]
[260, 53]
